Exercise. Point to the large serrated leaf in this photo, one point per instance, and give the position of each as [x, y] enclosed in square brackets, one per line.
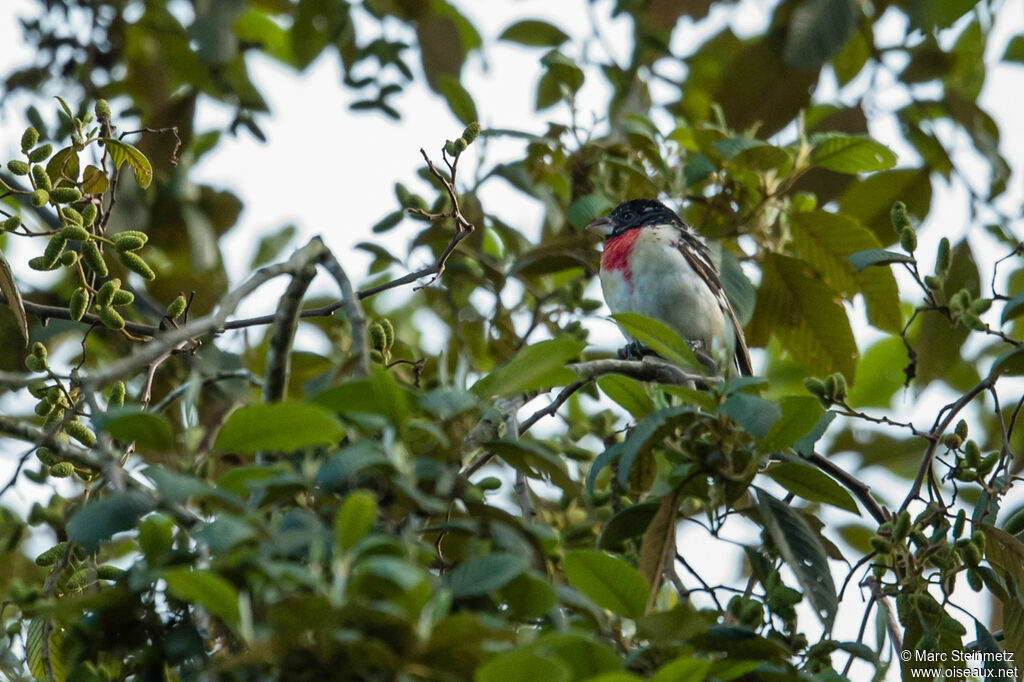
[805, 315]
[827, 241]
[124, 153]
[870, 200]
[610, 582]
[799, 546]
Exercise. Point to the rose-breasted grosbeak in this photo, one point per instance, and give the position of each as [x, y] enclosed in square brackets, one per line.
[654, 265]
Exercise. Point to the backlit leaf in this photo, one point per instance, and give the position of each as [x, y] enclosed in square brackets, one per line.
[124, 153]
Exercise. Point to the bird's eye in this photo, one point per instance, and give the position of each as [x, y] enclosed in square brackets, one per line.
[628, 215]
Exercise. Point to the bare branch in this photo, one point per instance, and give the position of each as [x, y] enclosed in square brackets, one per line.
[286, 322]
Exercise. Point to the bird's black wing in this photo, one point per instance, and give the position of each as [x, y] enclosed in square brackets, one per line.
[698, 256]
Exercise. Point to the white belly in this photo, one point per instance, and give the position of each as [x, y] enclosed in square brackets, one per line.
[668, 290]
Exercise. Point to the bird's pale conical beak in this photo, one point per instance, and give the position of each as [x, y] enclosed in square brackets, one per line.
[602, 226]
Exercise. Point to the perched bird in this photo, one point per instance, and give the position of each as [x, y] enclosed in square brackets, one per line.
[654, 265]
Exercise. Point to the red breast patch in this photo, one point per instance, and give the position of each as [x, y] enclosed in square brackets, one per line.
[616, 254]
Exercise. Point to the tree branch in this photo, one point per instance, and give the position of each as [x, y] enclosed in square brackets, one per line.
[286, 322]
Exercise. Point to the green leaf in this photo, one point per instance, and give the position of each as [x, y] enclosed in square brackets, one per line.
[797, 308]
[563, 69]
[205, 589]
[175, 488]
[482, 575]
[1015, 50]
[458, 98]
[380, 394]
[657, 336]
[529, 596]
[94, 181]
[928, 15]
[879, 374]
[799, 415]
[682, 669]
[10, 291]
[746, 151]
[124, 153]
[285, 426]
[535, 461]
[522, 665]
[755, 414]
[811, 484]
[271, 244]
[34, 636]
[737, 287]
[354, 518]
[852, 154]
[937, 342]
[805, 446]
[870, 199]
[585, 655]
[610, 582]
[587, 208]
[818, 29]
[648, 433]
[802, 550]
[626, 524]
[540, 365]
[150, 432]
[867, 258]
[96, 522]
[534, 33]
[1009, 363]
[63, 166]
[600, 462]
[155, 536]
[224, 533]
[630, 394]
[1013, 309]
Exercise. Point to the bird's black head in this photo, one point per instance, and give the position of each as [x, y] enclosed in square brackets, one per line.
[634, 213]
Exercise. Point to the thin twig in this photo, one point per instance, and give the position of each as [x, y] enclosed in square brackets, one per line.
[861, 490]
[935, 435]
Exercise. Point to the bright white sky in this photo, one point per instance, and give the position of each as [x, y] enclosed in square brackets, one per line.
[358, 158]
